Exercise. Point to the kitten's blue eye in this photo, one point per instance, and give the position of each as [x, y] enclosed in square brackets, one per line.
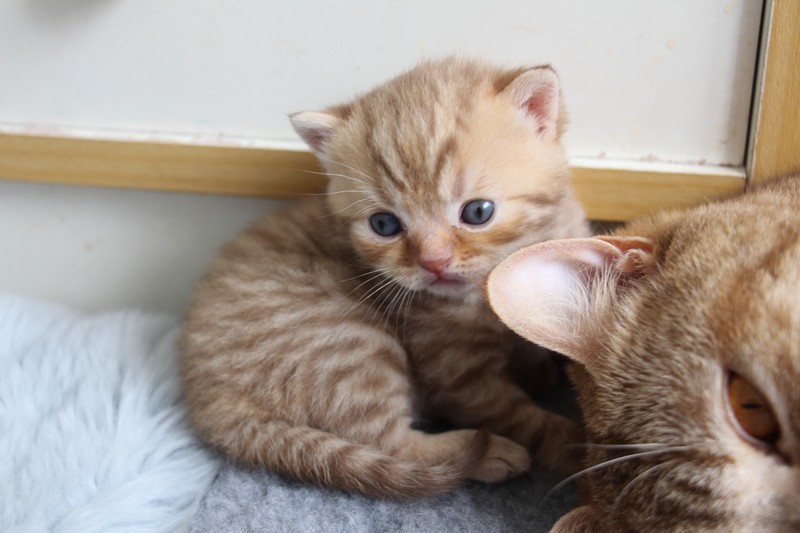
[385, 224]
[477, 212]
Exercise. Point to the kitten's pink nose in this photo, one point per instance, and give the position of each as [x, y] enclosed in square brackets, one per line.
[436, 265]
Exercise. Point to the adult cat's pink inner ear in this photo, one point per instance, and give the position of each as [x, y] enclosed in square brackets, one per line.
[550, 293]
[542, 292]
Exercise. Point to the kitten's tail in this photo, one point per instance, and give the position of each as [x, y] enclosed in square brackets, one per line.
[321, 458]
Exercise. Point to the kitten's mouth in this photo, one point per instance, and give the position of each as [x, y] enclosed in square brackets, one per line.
[443, 281]
[448, 283]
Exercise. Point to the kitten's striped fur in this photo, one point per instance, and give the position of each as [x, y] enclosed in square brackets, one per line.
[314, 345]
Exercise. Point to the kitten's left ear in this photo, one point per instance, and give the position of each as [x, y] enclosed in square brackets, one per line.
[536, 92]
[315, 128]
[558, 293]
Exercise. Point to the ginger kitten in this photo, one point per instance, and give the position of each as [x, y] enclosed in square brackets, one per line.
[323, 335]
[687, 330]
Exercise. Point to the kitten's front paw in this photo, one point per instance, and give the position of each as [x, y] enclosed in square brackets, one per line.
[504, 459]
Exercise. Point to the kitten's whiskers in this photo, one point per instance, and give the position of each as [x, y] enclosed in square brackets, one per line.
[405, 307]
[385, 270]
[329, 174]
[363, 211]
[376, 275]
[392, 296]
[348, 167]
[343, 191]
[367, 199]
[371, 276]
[398, 306]
[375, 290]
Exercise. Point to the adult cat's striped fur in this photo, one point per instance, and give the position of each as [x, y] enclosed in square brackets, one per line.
[687, 328]
[322, 334]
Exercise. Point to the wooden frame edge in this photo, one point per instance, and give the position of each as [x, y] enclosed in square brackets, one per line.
[608, 193]
[162, 166]
[774, 134]
[621, 194]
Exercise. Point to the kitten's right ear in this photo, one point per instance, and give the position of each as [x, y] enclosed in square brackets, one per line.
[556, 293]
[537, 93]
[315, 128]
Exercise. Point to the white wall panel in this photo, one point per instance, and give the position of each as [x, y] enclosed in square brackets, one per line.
[107, 248]
[666, 80]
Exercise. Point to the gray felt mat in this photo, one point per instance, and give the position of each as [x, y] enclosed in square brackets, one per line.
[244, 500]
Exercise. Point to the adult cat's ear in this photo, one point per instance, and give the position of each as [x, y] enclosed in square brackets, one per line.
[536, 92]
[556, 293]
[315, 128]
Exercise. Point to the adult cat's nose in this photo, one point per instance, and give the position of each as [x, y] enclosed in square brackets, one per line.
[436, 265]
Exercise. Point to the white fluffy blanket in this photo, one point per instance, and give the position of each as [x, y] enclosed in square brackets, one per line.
[93, 436]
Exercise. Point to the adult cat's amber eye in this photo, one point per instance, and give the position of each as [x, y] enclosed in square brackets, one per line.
[751, 410]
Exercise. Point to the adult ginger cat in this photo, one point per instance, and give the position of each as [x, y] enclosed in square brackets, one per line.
[687, 330]
[323, 334]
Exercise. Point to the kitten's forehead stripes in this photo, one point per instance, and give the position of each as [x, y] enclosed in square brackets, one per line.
[541, 199]
[446, 151]
[410, 158]
[375, 152]
[458, 185]
[401, 168]
[385, 169]
[413, 127]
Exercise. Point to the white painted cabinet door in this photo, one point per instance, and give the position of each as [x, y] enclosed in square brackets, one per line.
[661, 80]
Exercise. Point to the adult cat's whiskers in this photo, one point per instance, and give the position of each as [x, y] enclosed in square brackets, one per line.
[628, 486]
[617, 460]
[638, 446]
